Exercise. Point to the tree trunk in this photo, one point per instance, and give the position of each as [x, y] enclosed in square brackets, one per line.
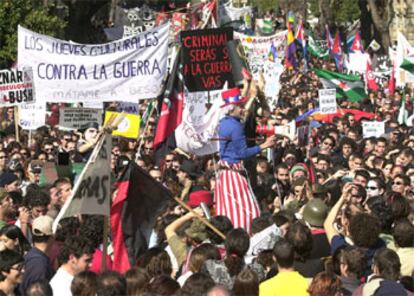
[381, 16]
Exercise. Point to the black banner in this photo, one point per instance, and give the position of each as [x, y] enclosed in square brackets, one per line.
[206, 63]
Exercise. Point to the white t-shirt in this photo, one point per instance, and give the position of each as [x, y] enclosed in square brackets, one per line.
[61, 283]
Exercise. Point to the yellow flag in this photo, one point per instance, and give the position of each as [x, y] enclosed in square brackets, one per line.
[129, 126]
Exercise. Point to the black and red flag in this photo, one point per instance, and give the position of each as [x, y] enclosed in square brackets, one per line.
[172, 104]
[138, 201]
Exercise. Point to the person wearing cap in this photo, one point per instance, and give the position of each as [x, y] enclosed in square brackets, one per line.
[9, 181]
[5, 206]
[37, 263]
[11, 271]
[233, 194]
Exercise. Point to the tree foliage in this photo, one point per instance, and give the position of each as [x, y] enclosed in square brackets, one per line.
[337, 12]
[266, 5]
[22, 12]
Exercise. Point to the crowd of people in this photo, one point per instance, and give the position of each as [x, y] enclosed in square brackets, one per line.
[333, 213]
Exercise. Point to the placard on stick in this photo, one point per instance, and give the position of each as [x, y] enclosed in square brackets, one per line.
[206, 64]
[327, 101]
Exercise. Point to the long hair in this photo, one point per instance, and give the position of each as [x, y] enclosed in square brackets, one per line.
[13, 232]
[237, 244]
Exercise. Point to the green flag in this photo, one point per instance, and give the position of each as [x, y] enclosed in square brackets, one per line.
[348, 86]
[408, 64]
[316, 50]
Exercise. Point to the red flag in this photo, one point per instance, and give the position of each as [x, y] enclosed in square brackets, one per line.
[172, 104]
[391, 82]
[336, 49]
[357, 44]
[138, 201]
[370, 79]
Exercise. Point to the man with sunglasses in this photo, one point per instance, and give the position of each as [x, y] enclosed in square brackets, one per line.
[401, 184]
[11, 271]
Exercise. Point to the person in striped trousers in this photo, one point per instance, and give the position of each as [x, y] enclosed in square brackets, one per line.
[233, 195]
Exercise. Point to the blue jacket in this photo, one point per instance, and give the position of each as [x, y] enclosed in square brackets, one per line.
[233, 147]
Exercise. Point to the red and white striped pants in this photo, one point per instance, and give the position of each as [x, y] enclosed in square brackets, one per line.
[234, 196]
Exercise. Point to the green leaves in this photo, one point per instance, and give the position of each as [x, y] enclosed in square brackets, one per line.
[22, 12]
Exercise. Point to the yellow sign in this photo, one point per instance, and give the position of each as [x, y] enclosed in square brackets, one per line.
[128, 127]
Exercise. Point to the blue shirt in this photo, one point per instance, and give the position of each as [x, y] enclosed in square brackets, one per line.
[233, 147]
[37, 267]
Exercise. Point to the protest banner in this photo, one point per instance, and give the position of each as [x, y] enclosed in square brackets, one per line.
[327, 101]
[257, 48]
[129, 69]
[128, 127]
[198, 127]
[92, 191]
[373, 129]
[16, 87]
[32, 116]
[206, 64]
[76, 118]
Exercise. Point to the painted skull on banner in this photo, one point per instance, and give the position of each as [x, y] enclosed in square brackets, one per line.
[139, 19]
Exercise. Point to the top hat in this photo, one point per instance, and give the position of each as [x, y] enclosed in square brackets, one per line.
[232, 96]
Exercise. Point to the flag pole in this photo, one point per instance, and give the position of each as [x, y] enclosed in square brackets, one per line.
[201, 218]
[141, 136]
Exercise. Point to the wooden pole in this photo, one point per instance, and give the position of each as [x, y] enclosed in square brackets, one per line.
[141, 136]
[105, 243]
[16, 123]
[202, 219]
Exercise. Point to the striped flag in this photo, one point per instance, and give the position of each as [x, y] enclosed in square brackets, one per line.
[329, 40]
[290, 60]
[348, 86]
[234, 197]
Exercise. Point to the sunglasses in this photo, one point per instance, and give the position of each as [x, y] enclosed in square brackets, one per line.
[371, 188]
[397, 183]
[328, 144]
[2, 157]
[168, 160]
[19, 267]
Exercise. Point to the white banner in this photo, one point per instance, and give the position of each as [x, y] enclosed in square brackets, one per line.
[228, 13]
[327, 101]
[32, 116]
[92, 192]
[373, 129]
[129, 69]
[271, 73]
[357, 62]
[16, 87]
[257, 48]
[76, 118]
[197, 131]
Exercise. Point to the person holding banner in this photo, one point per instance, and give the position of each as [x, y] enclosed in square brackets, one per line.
[233, 194]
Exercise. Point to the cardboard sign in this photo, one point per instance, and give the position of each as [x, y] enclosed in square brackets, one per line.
[205, 56]
[373, 129]
[128, 127]
[92, 191]
[32, 116]
[327, 101]
[76, 118]
[16, 87]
